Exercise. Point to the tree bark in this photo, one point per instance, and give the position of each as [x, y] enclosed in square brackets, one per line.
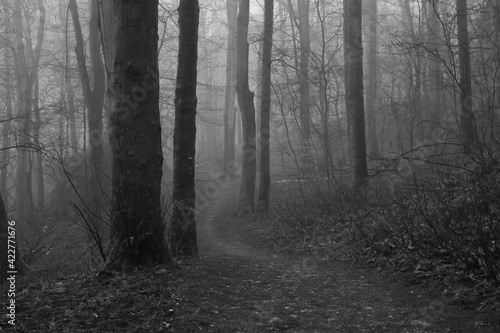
[371, 33]
[135, 138]
[265, 163]
[467, 128]
[246, 203]
[353, 58]
[184, 197]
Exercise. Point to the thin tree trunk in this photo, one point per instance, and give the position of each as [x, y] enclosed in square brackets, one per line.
[353, 58]
[371, 33]
[467, 128]
[230, 97]
[8, 108]
[183, 218]
[265, 163]
[246, 203]
[67, 87]
[434, 88]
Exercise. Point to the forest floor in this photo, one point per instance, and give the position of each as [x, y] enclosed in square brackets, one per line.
[238, 285]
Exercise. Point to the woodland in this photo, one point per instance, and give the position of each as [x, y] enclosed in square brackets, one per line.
[250, 166]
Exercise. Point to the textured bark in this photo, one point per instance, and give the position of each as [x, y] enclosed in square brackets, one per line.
[496, 52]
[371, 33]
[467, 128]
[353, 58]
[184, 197]
[135, 138]
[265, 163]
[246, 203]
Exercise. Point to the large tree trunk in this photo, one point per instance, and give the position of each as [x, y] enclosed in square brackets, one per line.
[135, 138]
[183, 219]
[265, 164]
[246, 203]
[467, 128]
[229, 105]
[353, 58]
[371, 33]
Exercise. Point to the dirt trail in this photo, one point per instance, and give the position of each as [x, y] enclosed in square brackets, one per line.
[251, 289]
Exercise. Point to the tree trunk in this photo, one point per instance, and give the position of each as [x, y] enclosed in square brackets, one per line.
[184, 197]
[435, 83]
[305, 102]
[245, 101]
[265, 164]
[415, 80]
[353, 58]
[66, 85]
[467, 128]
[107, 32]
[135, 138]
[25, 76]
[371, 33]
[10, 265]
[8, 108]
[94, 99]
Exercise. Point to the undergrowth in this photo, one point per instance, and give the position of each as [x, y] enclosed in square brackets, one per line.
[445, 225]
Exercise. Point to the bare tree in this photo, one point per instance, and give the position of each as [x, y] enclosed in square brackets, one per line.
[27, 63]
[353, 58]
[183, 218]
[93, 93]
[135, 138]
[245, 101]
[229, 106]
[467, 128]
[265, 158]
[8, 105]
[371, 33]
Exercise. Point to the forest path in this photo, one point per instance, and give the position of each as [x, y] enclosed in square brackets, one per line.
[235, 286]
[252, 289]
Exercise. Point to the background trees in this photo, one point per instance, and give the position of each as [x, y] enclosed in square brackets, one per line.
[430, 80]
